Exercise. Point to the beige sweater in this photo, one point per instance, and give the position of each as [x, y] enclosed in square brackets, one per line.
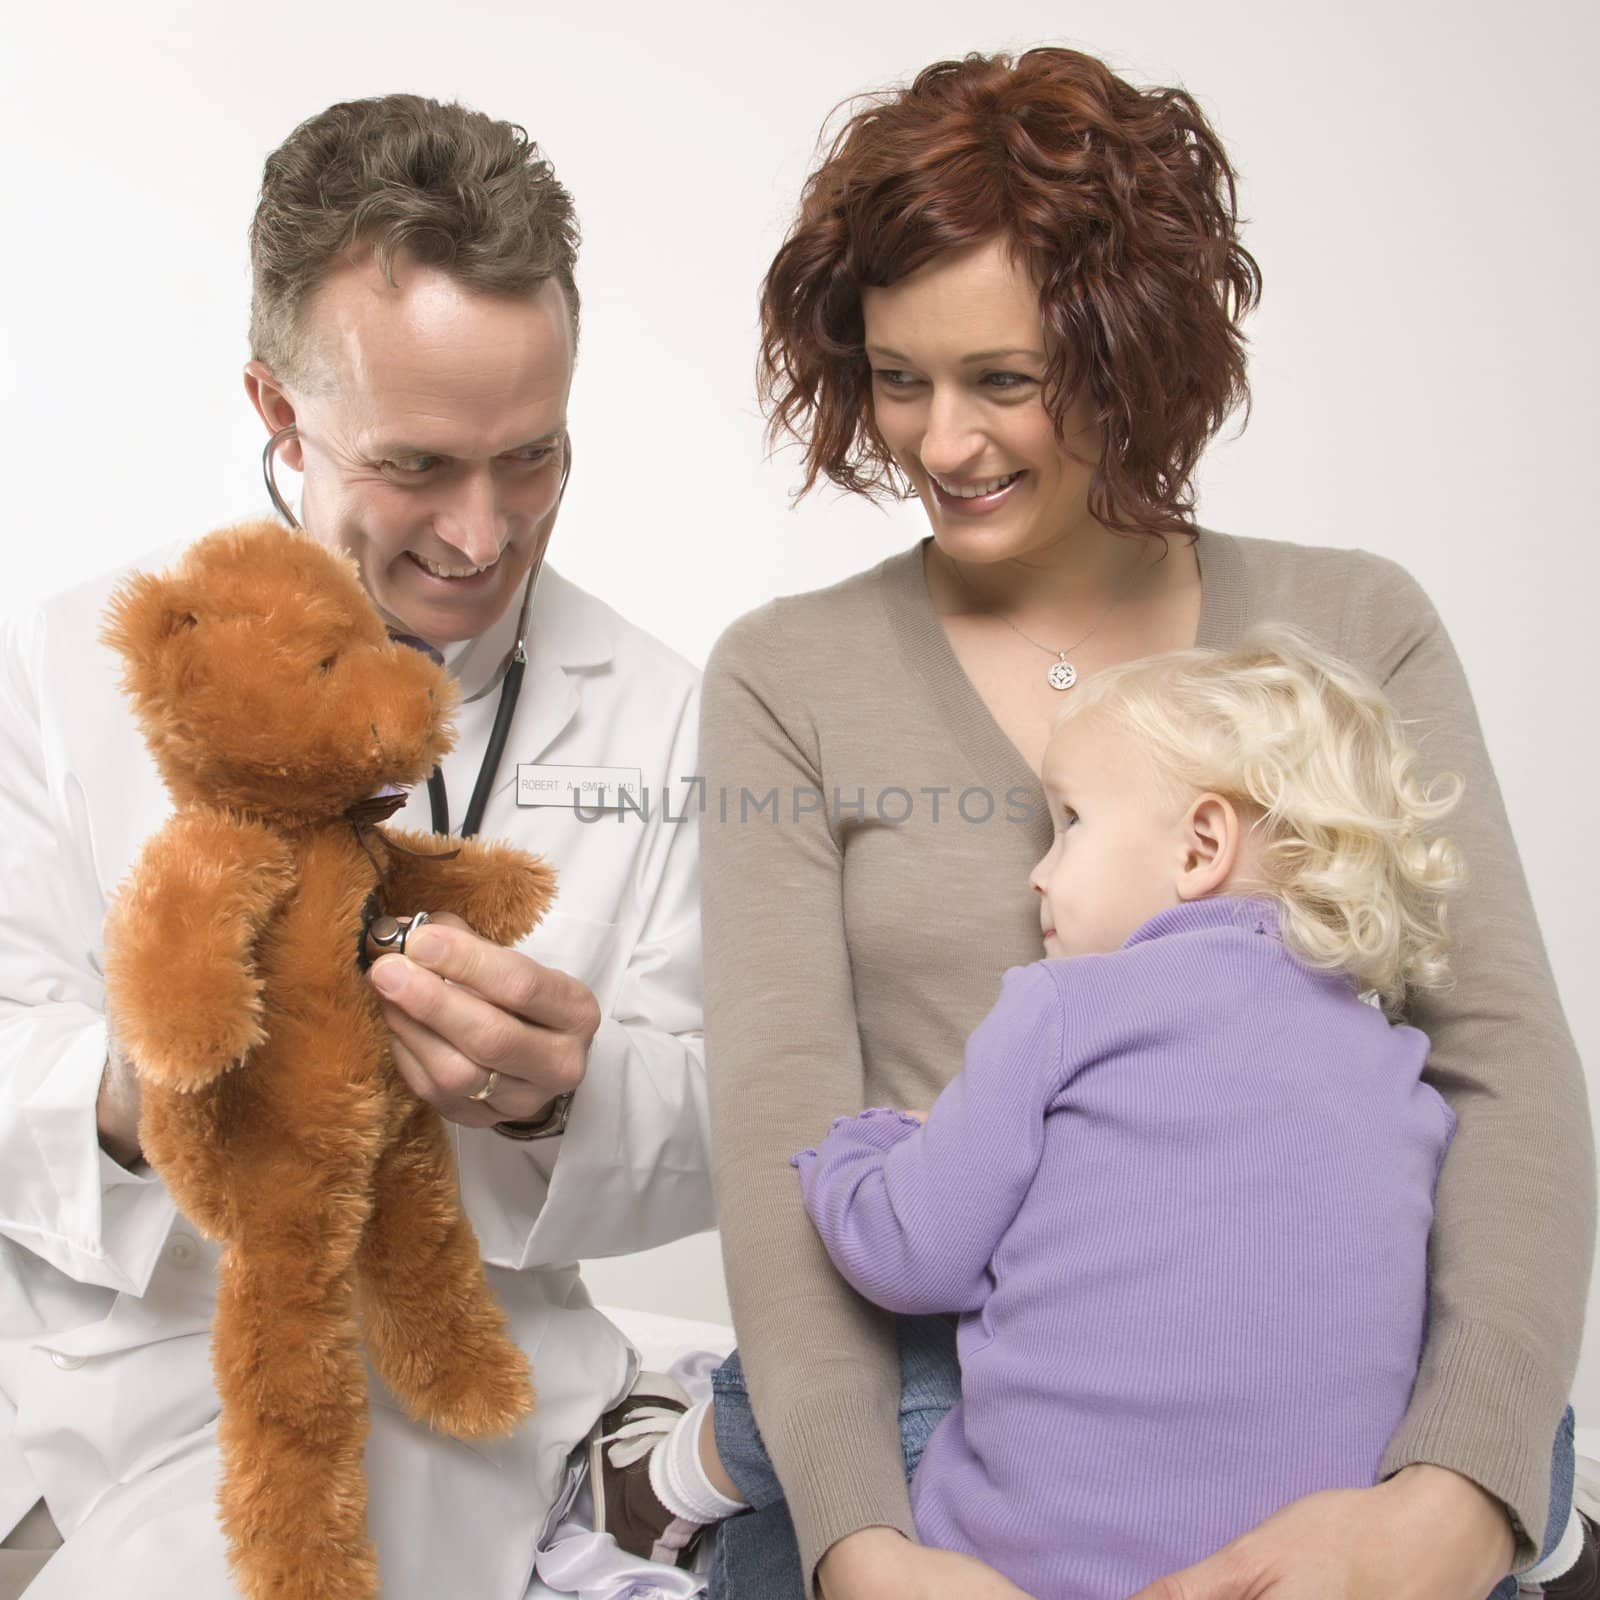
[849, 953]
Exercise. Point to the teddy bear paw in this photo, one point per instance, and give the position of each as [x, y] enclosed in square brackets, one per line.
[484, 1401]
[178, 1055]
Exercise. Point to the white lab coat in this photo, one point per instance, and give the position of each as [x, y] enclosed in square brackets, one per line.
[107, 1409]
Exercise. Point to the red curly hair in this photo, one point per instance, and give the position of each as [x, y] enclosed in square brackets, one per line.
[1119, 201]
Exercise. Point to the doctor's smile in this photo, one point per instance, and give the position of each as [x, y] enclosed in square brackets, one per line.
[456, 576]
[443, 569]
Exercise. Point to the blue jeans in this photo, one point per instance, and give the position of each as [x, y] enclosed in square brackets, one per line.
[755, 1556]
[1563, 1465]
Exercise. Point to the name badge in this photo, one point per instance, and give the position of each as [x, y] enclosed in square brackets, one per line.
[594, 788]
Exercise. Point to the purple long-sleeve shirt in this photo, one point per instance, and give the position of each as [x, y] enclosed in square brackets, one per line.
[1180, 1196]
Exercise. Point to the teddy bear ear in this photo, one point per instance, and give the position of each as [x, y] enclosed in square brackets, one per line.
[144, 613]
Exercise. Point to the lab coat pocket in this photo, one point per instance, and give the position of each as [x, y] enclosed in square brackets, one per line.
[590, 951]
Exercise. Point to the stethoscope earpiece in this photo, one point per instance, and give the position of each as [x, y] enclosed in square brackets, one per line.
[268, 462]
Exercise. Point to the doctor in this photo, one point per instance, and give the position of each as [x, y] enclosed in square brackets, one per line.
[414, 318]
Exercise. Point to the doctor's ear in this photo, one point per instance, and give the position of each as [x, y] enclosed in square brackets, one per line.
[275, 408]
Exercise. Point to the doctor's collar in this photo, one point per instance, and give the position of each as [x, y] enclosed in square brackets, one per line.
[558, 637]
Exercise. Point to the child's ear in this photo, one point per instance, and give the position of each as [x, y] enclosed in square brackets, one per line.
[1209, 846]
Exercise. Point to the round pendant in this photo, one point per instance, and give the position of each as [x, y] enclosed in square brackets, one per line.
[1062, 675]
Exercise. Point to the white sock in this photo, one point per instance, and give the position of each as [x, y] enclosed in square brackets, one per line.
[678, 1476]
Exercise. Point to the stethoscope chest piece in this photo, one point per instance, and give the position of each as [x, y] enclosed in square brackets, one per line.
[386, 936]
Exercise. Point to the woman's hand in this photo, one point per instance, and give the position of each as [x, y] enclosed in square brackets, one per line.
[880, 1564]
[1425, 1534]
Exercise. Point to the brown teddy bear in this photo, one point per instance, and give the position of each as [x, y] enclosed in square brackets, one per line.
[276, 707]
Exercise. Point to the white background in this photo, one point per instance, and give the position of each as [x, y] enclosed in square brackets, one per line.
[1420, 189]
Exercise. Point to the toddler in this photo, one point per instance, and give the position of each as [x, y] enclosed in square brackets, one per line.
[1181, 1190]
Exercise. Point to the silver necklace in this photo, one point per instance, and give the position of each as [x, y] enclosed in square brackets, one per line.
[1062, 674]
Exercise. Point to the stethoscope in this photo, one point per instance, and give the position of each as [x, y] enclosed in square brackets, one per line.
[509, 677]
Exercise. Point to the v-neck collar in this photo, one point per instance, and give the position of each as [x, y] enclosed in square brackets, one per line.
[1224, 610]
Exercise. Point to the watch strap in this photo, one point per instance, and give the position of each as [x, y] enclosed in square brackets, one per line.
[553, 1122]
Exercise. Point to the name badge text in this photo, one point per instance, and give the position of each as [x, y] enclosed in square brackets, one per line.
[593, 788]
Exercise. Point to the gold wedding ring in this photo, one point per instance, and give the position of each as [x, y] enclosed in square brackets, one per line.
[489, 1087]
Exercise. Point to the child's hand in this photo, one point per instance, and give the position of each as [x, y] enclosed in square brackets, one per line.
[916, 1116]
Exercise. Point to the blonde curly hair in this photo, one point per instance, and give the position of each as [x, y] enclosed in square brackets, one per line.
[1282, 724]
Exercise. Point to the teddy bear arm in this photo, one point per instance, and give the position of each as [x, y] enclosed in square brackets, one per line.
[182, 994]
[499, 891]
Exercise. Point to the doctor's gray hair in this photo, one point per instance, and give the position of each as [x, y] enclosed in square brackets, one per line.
[451, 187]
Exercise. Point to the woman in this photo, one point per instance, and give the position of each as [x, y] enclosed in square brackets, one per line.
[1015, 289]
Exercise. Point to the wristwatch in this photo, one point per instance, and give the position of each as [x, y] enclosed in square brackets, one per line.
[554, 1121]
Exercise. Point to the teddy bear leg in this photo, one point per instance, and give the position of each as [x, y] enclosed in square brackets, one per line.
[293, 1387]
[435, 1332]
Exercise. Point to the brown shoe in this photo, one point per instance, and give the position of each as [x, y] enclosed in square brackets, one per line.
[1581, 1581]
[625, 1504]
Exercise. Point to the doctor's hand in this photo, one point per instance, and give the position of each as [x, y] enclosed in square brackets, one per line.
[116, 1111]
[459, 1008]
[1425, 1534]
